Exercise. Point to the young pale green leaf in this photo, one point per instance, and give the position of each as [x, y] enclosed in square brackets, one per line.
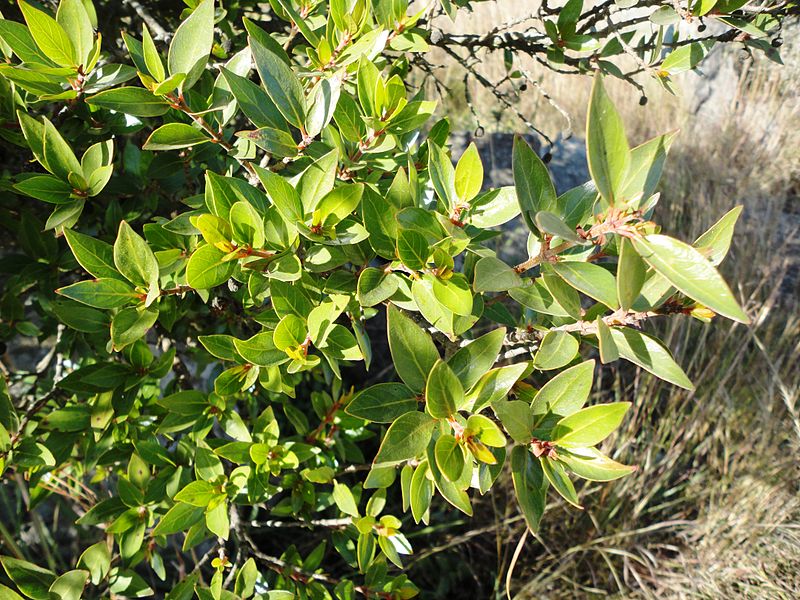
[593, 465]
[486, 431]
[383, 403]
[530, 486]
[74, 20]
[593, 280]
[454, 293]
[174, 136]
[444, 393]
[472, 361]
[631, 274]
[100, 293]
[344, 499]
[690, 272]
[151, 57]
[535, 190]
[557, 349]
[558, 478]
[450, 457]
[412, 349]
[49, 36]
[134, 258]
[131, 324]
[716, 242]
[648, 353]
[191, 45]
[135, 101]
[207, 269]
[406, 439]
[565, 393]
[589, 426]
[469, 174]
[290, 333]
[607, 148]
[280, 82]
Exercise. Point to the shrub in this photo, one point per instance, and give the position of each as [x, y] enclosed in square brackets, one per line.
[216, 270]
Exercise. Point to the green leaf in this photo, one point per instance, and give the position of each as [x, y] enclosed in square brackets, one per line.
[49, 36]
[453, 492]
[46, 188]
[217, 519]
[49, 147]
[421, 491]
[246, 577]
[383, 403]
[344, 499]
[493, 275]
[69, 586]
[276, 142]
[280, 82]
[716, 242]
[337, 204]
[469, 174]
[472, 361]
[135, 101]
[551, 223]
[530, 486]
[97, 560]
[560, 481]
[565, 393]
[515, 415]
[493, 386]
[648, 353]
[686, 58]
[376, 286]
[100, 293]
[412, 349]
[494, 208]
[174, 136]
[690, 272]
[442, 175]
[605, 342]
[151, 57]
[206, 268]
[444, 394]
[413, 249]
[19, 39]
[591, 464]
[535, 190]
[450, 457]
[646, 165]
[74, 20]
[454, 293]
[30, 579]
[589, 426]
[260, 350]
[130, 324]
[283, 195]
[197, 493]
[191, 45]
[134, 258]
[631, 274]
[406, 439]
[247, 225]
[557, 349]
[607, 148]
[290, 333]
[254, 102]
[593, 280]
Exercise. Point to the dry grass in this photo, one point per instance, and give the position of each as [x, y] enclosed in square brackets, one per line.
[714, 510]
